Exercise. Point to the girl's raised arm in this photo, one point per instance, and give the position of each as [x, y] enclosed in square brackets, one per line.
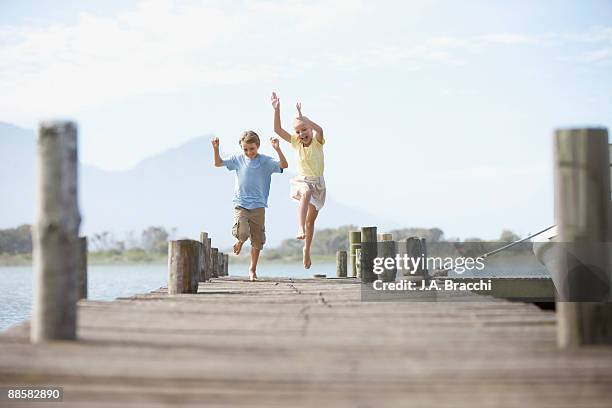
[278, 129]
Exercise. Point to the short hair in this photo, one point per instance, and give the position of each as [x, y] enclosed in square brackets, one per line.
[248, 136]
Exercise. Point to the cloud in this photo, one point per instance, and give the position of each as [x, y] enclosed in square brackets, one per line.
[455, 51]
[156, 47]
[310, 15]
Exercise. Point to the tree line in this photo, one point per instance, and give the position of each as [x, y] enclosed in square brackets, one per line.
[154, 239]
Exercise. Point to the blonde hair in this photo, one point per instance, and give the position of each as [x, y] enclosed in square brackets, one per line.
[248, 136]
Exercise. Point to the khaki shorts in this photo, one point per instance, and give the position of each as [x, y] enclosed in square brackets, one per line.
[250, 224]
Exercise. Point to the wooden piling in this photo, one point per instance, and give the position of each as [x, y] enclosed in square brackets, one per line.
[388, 249]
[205, 257]
[55, 234]
[369, 251]
[220, 268]
[416, 248]
[357, 263]
[582, 213]
[209, 269]
[215, 262]
[196, 275]
[183, 266]
[341, 258]
[226, 265]
[354, 244]
[385, 237]
[82, 269]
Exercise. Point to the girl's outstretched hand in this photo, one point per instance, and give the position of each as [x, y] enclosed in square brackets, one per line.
[299, 109]
[275, 143]
[275, 101]
[215, 142]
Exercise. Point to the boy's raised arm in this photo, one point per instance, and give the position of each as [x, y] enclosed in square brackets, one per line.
[215, 145]
[281, 156]
[277, 121]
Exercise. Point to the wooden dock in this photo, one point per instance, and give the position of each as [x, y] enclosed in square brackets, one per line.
[304, 343]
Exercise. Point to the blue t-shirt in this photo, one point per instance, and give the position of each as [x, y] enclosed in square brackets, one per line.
[252, 179]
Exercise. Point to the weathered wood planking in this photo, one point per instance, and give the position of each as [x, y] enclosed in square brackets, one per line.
[311, 342]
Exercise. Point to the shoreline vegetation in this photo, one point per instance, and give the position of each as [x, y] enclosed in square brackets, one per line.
[151, 246]
[139, 258]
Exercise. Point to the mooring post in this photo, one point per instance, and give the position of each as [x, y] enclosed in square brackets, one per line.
[82, 268]
[341, 258]
[196, 275]
[209, 268]
[582, 214]
[183, 266]
[55, 234]
[416, 248]
[219, 263]
[354, 244]
[226, 265]
[388, 249]
[215, 262]
[369, 251]
[205, 257]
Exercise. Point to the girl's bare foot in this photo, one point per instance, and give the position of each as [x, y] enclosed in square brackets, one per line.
[307, 261]
[238, 247]
[301, 233]
[252, 275]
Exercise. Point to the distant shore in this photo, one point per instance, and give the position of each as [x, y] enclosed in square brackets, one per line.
[141, 257]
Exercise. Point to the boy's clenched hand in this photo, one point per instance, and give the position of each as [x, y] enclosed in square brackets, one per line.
[215, 143]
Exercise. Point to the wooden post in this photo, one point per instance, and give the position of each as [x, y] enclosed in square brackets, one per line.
[369, 251]
[385, 237]
[215, 262]
[209, 269]
[341, 258]
[226, 265]
[354, 244]
[196, 271]
[582, 213]
[416, 248]
[183, 266]
[82, 269]
[358, 263]
[205, 257]
[55, 234]
[220, 268]
[388, 249]
[220, 263]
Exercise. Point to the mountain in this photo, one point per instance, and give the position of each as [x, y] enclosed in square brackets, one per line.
[177, 188]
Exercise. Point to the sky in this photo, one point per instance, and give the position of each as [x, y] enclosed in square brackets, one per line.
[437, 113]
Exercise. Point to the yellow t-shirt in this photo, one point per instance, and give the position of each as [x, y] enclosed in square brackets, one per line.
[310, 159]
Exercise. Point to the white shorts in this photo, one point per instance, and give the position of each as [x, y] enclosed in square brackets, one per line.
[316, 185]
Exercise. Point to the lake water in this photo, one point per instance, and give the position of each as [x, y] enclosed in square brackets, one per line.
[110, 282]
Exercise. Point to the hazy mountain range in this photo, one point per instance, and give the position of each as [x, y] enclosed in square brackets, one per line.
[179, 188]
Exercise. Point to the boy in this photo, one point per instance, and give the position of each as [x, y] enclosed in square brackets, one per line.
[308, 187]
[253, 171]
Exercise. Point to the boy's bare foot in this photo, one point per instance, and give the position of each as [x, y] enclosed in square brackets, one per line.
[301, 233]
[307, 261]
[238, 247]
[252, 275]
